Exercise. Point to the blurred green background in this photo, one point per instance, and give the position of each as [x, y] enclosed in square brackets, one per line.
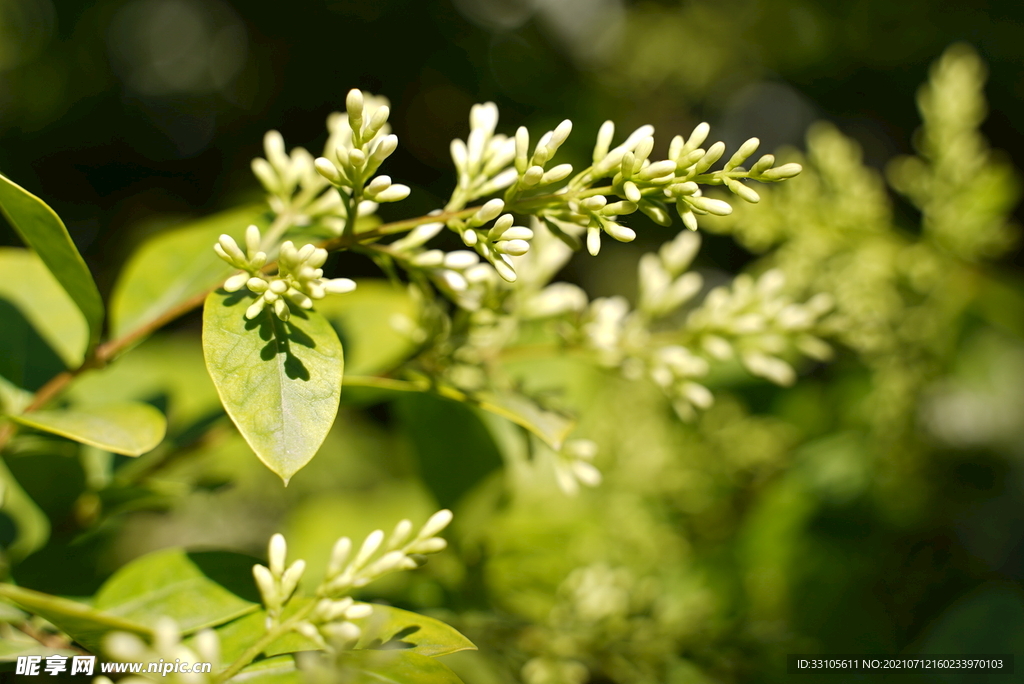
[778, 526]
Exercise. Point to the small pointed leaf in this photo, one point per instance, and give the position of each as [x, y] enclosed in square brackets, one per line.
[129, 428]
[43, 231]
[279, 381]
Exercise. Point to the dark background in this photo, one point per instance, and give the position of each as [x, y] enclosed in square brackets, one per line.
[125, 114]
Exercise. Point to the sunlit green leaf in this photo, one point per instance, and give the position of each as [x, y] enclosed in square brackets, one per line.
[280, 382]
[279, 670]
[175, 266]
[33, 527]
[367, 320]
[125, 428]
[84, 624]
[395, 667]
[390, 628]
[43, 231]
[29, 286]
[197, 590]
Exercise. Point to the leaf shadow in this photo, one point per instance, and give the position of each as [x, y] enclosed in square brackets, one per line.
[279, 336]
[396, 641]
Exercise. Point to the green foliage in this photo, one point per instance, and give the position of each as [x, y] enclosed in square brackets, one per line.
[44, 232]
[280, 381]
[636, 504]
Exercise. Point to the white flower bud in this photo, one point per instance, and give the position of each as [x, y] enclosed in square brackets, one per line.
[514, 247]
[236, 282]
[291, 578]
[533, 176]
[281, 310]
[256, 308]
[230, 248]
[503, 265]
[762, 165]
[619, 231]
[631, 192]
[252, 241]
[356, 158]
[460, 259]
[586, 473]
[698, 136]
[432, 545]
[774, 369]
[339, 556]
[266, 584]
[517, 233]
[522, 149]
[460, 155]
[717, 347]
[379, 118]
[711, 206]
[593, 240]
[713, 154]
[469, 237]
[266, 175]
[556, 174]
[618, 209]
[503, 223]
[698, 395]
[782, 172]
[743, 191]
[454, 280]
[339, 285]
[400, 535]
[657, 170]
[369, 547]
[384, 148]
[435, 524]
[378, 184]
[429, 259]
[746, 149]
[395, 193]
[354, 106]
[604, 140]
[489, 211]
[643, 151]
[689, 220]
[359, 611]
[679, 253]
[561, 132]
[327, 169]
[595, 203]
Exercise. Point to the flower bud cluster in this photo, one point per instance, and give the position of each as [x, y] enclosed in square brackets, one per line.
[166, 647]
[755, 321]
[277, 582]
[574, 466]
[293, 186]
[664, 286]
[360, 141]
[299, 278]
[377, 556]
[533, 176]
[482, 161]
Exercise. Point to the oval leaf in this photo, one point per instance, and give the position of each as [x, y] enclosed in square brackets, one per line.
[197, 590]
[43, 231]
[129, 428]
[175, 266]
[279, 382]
[32, 289]
[280, 670]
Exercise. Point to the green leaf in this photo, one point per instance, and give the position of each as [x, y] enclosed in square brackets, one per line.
[175, 266]
[197, 590]
[279, 382]
[128, 428]
[18, 644]
[390, 628]
[33, 527]
[365, 318]
[280, 670]
[43, 231]
[32, 289]
[394, 667]
[82, 623]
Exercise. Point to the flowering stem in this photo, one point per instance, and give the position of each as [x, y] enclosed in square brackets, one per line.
[271, 635]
